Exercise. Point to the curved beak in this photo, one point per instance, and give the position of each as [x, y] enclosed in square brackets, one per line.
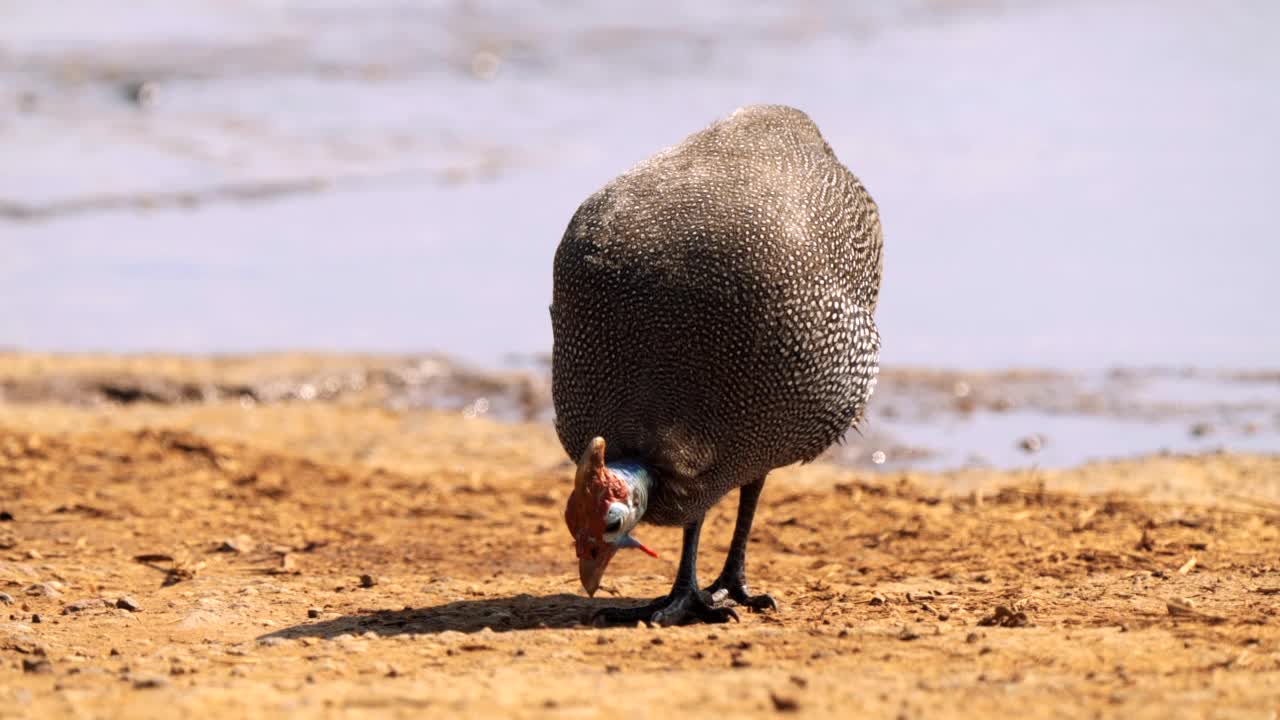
[591, 567]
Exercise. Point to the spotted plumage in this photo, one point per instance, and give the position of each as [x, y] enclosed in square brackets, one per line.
[712, 309]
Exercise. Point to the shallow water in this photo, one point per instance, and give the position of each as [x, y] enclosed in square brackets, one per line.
[1065, 185]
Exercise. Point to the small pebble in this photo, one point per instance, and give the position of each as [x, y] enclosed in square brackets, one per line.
[6, 598]
[124, 602]
[36, 666]
[314, 612]
[147, 682]
[782, 703]
[368, 581]
[43, 590]
[35, 618]
[80, 606]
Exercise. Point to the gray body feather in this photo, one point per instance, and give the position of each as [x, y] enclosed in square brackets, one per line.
[712, 309]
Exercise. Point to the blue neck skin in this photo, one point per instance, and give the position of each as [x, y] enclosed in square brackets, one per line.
[639, 479]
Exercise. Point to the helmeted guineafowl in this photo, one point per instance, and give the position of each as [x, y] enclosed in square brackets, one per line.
[712, 316]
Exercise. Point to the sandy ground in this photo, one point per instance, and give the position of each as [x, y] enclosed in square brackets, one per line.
[338, 559]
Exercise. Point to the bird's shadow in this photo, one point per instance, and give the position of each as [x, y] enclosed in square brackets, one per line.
[518, 612]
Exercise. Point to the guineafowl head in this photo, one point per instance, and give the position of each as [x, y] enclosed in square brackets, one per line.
[607, 503]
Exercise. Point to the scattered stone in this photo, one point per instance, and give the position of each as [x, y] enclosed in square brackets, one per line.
[1005, 617]
[908, 633]
[35, 618]
[180, 572]
[272, 641]
[150, 682]
[6, 516]
[368, 581]
[82, 605]
[124, 602]
[43, 589]
[876, 599]
[314, 612]
[783, 703]
[738, 661]
[6, 598]
[37, 666]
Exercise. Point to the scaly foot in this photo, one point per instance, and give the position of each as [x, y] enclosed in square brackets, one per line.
[735, 588]
[681, 607]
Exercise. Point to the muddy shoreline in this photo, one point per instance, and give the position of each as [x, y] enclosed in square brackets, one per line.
[919, 418]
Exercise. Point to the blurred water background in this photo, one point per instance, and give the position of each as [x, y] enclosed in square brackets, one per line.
[1069, 185]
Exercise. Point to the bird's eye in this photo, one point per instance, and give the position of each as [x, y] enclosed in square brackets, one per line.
[614, 520]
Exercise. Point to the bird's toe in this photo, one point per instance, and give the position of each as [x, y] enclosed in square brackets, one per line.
[758, 603]
[735, 590]
[695, 607]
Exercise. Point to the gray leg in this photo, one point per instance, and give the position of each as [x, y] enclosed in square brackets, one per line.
[733, 578]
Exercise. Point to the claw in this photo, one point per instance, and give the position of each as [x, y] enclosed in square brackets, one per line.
[736, 590]
[676, 609]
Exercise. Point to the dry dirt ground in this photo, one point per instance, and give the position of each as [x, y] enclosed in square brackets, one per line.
[319, 559]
